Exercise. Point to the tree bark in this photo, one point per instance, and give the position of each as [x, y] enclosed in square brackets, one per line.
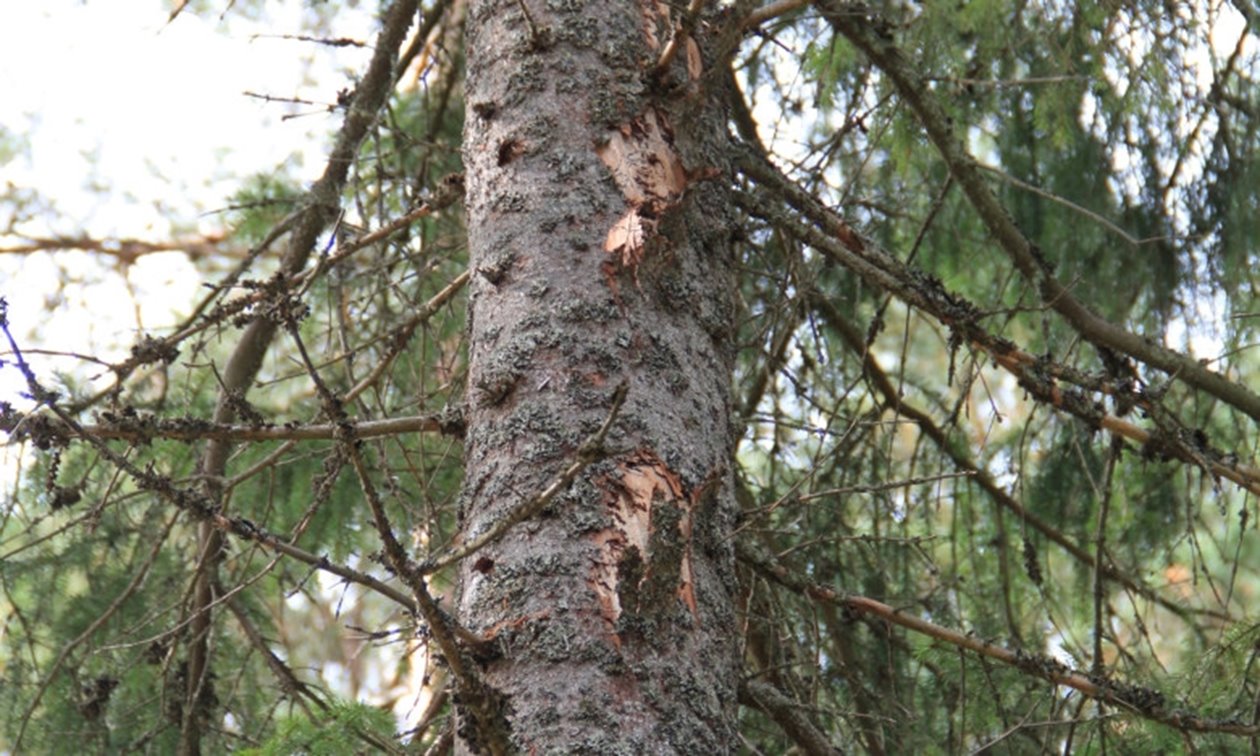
[599, 237]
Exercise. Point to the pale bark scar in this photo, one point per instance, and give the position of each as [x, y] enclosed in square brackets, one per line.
[642, 481]
[656, 15]
[650, 174]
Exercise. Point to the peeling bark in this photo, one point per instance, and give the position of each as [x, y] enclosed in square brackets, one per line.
[646, 561]
[602, 257]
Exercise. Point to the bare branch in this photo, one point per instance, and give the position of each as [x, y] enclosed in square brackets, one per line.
[126, 251]
[787, 713]
[1144, 702]
[148, 428]
[319, 209]
[772, 10]
[831, 235]
[870, 33]
[892, 398]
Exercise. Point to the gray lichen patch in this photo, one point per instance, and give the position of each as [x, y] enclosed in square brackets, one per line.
[583, 394]
[606, 363]
[603, 310]
[538, 288]
[581, 32]
[496, 267]
[495, 384]
[532, 421]
[565, 166]
[663, 364]
[612, 103]
[566, 6]
[509, 201]
[677, 290]
[534, 321]
[528, 77]
[580, 504]
[503, 369]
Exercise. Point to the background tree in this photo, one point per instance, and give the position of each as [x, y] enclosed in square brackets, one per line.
[882, 368]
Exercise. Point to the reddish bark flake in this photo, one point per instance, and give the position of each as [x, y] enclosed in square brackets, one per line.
[643, 481]
[650, 174]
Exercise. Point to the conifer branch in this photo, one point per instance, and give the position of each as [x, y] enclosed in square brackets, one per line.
[873, 36]
[1144, 702]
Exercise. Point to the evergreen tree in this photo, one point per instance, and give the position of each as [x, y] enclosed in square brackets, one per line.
[678, 378]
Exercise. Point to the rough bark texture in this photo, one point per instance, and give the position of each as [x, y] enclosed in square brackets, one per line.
[599, 239]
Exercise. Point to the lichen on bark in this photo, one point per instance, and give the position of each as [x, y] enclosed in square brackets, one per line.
[566, 139]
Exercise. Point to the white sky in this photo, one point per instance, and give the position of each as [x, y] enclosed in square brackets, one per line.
[157, 104]
[137, 128]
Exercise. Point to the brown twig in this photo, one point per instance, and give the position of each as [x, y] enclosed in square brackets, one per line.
[1144, 702]
[831, 235]
[105, 616]
[147, 429]
[787, 713]
[856, 342]
[871, 34]
[681, 33]
[126, 251]
[772, 10]
[319, 209]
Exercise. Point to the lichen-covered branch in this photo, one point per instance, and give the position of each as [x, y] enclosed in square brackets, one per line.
[873, 36]
[1144, 702]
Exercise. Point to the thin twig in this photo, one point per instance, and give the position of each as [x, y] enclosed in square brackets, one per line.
[828, 233]
[179, 430]
[871, 34]
[1052, 197]
[772, 10]
[681, 32]
[192, 503]
[789, 714]
[1146, 703]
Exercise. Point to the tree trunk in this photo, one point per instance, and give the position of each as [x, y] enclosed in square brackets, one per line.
[599, 237]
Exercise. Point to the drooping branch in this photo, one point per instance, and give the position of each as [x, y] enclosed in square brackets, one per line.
[189, 502]
[872, 35]
[125, 251]
[150, 349]
[787, 714]
[103, 618]
[479, 699]
[828, 233]
[397, 341]
[202, 316]
[1145, 702]
[855, 341]
[297, 691]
